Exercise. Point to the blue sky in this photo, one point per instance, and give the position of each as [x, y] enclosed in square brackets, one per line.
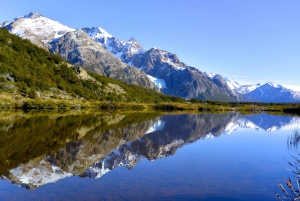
[250, 41]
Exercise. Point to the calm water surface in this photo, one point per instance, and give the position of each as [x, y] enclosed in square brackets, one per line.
[134, 156]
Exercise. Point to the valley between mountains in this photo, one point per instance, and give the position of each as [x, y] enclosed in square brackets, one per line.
[94, 52]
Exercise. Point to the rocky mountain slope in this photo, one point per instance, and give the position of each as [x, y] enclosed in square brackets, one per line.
[27, 71]
[170, 75]
[78, 48]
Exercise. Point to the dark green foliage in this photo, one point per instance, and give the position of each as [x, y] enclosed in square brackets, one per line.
[34, 69]
[25, 62]
[2, 79]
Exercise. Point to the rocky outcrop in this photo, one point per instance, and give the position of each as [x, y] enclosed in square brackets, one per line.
[78, 48]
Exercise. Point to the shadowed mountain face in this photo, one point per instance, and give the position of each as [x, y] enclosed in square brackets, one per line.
[92, 145]
[180, 79]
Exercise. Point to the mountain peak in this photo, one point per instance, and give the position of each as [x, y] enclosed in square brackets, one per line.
[97, 32]
[33, 15]
[273, 85]
[132, 40]
[135, 43]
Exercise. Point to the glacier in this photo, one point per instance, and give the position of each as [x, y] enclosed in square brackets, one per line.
[159, 83]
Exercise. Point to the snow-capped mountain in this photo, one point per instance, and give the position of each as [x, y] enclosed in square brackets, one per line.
[98, 51]
[239, 88]
[244, 89]
[37, 28]
[165, 72]
[271, 92]
[76, 47]
[231, 83]
[268, 92]
[234, 85]
[118, 48]
[170, 75]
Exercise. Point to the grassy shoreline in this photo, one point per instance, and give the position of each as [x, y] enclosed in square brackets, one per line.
[9, 102]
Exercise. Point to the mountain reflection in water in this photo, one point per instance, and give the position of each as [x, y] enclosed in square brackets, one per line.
[43, 149]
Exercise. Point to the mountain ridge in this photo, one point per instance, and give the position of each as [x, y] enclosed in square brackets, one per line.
[187, 85]
[268, 92]
[130, 62]
[28, 71]
[178, 78]
[46, 33]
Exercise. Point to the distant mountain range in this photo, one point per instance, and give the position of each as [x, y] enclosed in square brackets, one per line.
[98, 51]
[268, 92]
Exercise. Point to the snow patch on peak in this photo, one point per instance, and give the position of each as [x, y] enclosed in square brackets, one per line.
[33, 15]
[237, 87]
[179, 68]
[232, 84]
[167, 57]
[97, 32]
[35, 25]
[209, 75]
[118, 48]
[132, 40]
[274, 85]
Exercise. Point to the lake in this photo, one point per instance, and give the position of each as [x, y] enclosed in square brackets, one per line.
[144, 156]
